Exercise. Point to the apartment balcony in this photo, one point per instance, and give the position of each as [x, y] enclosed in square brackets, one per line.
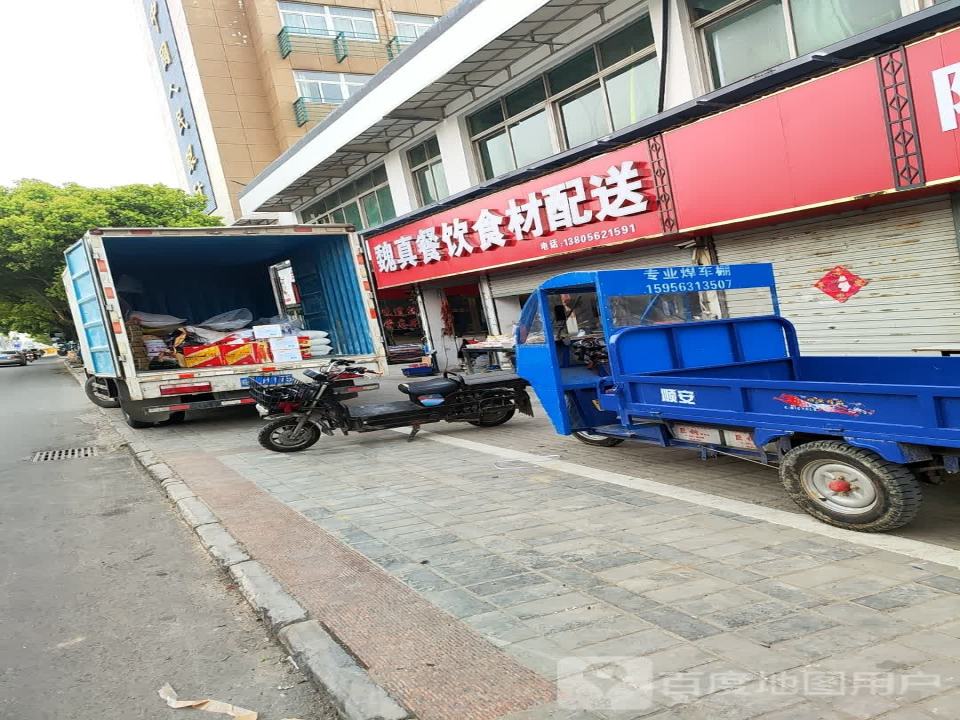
[339, 45]
[311, 110]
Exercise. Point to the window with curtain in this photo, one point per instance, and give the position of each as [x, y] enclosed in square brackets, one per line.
[742, 38]
[608, 86]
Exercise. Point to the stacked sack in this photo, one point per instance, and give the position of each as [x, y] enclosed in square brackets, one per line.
[314, 343]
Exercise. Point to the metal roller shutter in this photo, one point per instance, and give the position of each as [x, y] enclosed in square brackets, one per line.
[908, 255]
[520, 282]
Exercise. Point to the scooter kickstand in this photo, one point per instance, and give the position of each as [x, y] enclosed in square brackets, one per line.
[413, 433]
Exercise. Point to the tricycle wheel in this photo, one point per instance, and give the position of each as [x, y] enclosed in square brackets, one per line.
[281, 435]
[849, 487]
[492, 418]
[597, 440]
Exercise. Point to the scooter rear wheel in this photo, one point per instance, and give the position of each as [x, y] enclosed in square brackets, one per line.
[493, 418]
[280, 435]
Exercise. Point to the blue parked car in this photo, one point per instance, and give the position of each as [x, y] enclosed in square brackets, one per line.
[700, 357]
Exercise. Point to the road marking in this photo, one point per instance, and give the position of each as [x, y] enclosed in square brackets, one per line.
[904, 546]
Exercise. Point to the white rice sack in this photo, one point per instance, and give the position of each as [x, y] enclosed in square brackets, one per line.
[153, 320]
[320, 342]
[321, 350]
[314, 334]
[233, 320]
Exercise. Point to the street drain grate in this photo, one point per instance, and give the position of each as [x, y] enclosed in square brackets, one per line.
[76, 453]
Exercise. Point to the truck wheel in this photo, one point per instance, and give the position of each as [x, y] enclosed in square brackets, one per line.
[597, 440]
[493, 418]
[849, 487]
[279, 436]
[133, 422]
[98, 391]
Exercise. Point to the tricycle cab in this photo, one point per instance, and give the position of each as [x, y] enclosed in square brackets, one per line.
[582, 334]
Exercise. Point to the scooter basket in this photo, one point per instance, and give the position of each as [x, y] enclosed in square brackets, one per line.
[283, 398]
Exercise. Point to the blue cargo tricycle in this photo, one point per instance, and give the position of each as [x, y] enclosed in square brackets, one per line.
[700, 357]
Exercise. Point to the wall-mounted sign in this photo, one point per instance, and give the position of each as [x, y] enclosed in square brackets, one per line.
[178, 98]
[606, 200]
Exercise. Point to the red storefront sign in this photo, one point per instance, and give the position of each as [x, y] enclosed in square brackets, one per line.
[882, 126]
[605, 200]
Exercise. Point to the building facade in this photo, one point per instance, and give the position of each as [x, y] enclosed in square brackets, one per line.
[246, 79]
[516, 141]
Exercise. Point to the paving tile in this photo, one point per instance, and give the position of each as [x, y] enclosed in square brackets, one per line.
[643, 568]
[546, 606]
[511, 582]
[573, 577]
[934, 643]
[750, 655]
[789, 593]
[623, 598]
[751, 700]
[942, 582]
[898, 597]
[726, 599]
[632, 645]
[617, 625]
[792, 626]
[737, 617]
[930, 613]
[679, 689]
[458, 603]
[519, 596]
[686, 626]
[600, 563]
[570, 619]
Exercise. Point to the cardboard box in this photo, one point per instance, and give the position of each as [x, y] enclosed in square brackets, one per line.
[201, 356]
[248, 353]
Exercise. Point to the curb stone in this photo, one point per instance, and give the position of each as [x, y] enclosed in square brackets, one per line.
[321, 659]
[178, 490]
[221, 545]
[196, 512]
[160, 471]
[271, 602]
[329, 666]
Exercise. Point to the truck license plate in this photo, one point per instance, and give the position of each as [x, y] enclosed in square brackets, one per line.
[267, 380]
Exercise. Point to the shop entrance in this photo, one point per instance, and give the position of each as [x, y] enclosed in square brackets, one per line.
[402, 329]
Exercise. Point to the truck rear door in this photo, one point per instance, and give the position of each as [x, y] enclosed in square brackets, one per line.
[92, 325]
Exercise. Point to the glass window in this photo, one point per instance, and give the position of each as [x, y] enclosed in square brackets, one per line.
[530, 327]
[572, 71]
[633, 92]
[531, 139]
[629, 41]
[427, 170]
[584, 116]
[410, 26]
[371, 210]
[355, 204]
[495, 155]
[351, 212]
[747, 42]
[485, 119]
[701, 8]
[818, 23]
[328, 20]
[528, 96]
[693, 306]
[385, 200]
[327, 87]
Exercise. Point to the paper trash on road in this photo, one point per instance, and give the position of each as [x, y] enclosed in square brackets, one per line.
[169, 696]
[215, 706]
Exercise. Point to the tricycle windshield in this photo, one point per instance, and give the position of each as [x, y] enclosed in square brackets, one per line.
[688, 306]
[530, 327]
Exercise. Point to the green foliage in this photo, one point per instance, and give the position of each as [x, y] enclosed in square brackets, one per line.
[38, 221]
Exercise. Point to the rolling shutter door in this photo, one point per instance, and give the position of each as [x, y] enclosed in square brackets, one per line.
[908, 255]
[521, 282]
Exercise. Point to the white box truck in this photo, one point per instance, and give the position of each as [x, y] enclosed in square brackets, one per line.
[198, 273]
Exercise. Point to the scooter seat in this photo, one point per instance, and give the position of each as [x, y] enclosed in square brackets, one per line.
[435, 386]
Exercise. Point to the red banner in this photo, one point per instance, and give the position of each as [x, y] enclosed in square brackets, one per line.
[869, 130]
[606, 200]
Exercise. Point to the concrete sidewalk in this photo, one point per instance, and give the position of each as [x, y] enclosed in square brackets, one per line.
[477, 572]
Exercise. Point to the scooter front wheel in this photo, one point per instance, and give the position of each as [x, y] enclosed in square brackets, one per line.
[281, 435]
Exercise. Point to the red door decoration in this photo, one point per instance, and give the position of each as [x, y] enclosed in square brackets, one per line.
[841, 284]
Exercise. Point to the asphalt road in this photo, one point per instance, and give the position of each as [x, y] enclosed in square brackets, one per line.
[104, 593]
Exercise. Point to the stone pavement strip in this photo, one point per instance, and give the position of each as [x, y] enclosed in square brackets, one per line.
[472, 585]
